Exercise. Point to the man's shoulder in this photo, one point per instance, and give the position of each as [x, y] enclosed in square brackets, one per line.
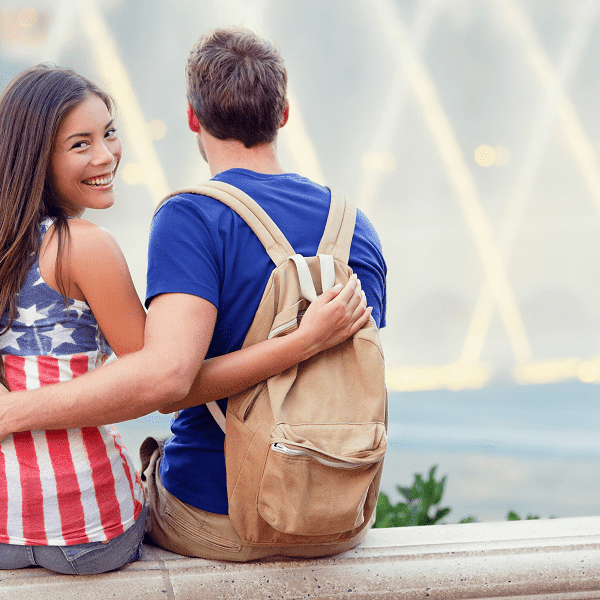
[189, 203]
[189, 197]
[264, 186]
[282, 197]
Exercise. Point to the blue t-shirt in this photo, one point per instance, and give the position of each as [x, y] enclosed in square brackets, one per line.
[200, 246]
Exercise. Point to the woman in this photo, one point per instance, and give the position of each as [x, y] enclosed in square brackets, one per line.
[70, 500]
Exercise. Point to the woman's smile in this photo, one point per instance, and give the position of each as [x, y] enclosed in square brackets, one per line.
[100, 180]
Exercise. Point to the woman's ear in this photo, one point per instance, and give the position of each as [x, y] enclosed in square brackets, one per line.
[193, 123]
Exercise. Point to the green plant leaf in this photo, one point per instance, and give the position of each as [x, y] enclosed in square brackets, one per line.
[422, 498]
[405, 491]
[469, 519]
[440, 514]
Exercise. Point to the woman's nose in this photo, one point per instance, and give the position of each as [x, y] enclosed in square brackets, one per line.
[103, 154]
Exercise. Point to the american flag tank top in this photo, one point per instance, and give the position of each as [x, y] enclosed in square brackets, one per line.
[60, 487]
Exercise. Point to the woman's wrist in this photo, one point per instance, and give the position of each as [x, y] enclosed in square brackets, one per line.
[304, 345]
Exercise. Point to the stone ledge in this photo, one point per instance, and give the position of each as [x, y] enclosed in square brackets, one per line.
[552, 559]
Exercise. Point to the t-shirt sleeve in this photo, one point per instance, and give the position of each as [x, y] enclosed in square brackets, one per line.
[182, 256]
[366, 260]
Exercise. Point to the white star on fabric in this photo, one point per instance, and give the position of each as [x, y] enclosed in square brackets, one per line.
[62, 335]
[30, 315]
[77, 310]
[40, 281]
[9, 339]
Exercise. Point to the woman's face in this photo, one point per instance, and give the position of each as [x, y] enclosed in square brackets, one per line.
[85, 157]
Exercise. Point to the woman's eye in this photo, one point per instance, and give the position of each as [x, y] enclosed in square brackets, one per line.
[111, 132]
[81, 144]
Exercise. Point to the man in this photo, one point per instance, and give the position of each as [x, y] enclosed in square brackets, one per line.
[206, 275]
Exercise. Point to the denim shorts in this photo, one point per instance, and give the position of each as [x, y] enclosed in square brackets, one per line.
[81, 559]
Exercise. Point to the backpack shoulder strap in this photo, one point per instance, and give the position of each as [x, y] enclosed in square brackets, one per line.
[275, 243]
[339, 228]
[336, 239]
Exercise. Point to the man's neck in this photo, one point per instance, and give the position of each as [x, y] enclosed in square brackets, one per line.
[223, 155]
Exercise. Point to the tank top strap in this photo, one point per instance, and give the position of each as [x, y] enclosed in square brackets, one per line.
[45, 225]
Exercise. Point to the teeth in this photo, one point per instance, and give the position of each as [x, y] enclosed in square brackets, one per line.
[98, 181]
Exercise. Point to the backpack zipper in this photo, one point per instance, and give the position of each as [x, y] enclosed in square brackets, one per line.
[290, 325]
[283, 449]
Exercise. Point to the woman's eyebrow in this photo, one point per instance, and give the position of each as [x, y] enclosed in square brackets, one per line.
[87, 133]
[82, 134]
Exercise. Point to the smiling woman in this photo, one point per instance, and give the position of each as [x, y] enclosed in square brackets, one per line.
[84, 510]
[85, 157]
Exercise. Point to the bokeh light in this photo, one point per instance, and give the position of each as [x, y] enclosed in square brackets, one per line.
[485, 155]
[27, 17]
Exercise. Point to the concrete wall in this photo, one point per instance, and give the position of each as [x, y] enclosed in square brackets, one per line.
[550, 559]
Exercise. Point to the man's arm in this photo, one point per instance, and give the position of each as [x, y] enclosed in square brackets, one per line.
[178, 331]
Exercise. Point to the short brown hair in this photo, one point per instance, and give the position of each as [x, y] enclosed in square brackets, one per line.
[236, 84]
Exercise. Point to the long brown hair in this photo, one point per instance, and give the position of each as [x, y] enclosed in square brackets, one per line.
[32, 108]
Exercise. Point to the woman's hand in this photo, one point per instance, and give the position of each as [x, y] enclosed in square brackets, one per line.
[335, 315]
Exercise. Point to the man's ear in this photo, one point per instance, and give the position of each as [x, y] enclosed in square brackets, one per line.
[286, 114]
[193, 123]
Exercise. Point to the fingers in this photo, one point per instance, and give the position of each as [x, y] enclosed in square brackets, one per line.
[328, 295]
[357, 300]
[346, 294]
[361, 321]
[352, 303]
[331, 293]
[352, 296]
[360, 311]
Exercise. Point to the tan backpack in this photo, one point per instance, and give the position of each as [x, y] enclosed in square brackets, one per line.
[304, 450]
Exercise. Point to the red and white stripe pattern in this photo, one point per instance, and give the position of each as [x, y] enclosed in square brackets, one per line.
[76, 485]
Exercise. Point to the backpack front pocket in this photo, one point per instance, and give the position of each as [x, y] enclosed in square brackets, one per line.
[303, 493]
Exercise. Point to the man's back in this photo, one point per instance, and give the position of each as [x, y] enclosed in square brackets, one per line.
[213, 254]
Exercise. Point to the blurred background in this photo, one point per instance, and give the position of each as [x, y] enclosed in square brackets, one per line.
[468, 131]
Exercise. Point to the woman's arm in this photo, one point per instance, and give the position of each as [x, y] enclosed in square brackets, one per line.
[177, 333]
[97, 272]
[336, 315]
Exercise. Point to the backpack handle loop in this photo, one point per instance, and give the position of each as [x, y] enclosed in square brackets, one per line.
[327, 271]
[307, 285]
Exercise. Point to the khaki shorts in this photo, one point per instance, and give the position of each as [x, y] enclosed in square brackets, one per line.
[184, 529]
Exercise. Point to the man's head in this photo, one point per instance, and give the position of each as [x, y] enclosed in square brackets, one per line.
[236, 86]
